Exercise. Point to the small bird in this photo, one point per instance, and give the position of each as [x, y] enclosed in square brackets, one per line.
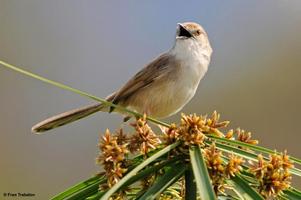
[160, 89]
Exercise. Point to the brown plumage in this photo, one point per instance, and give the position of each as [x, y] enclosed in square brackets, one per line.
[162, 87]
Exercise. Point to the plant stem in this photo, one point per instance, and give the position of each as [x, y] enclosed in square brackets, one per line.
[85, 94]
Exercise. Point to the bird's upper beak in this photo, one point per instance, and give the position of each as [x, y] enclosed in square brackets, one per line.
[183, 32]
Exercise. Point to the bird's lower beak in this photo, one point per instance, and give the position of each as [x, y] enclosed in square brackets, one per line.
[183, 32]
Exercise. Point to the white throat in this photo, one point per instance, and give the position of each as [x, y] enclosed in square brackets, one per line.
[192, 55]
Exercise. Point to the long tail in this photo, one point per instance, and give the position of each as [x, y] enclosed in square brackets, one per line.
[66, 118]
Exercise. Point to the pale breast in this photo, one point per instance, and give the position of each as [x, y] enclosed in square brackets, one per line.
[169, 95]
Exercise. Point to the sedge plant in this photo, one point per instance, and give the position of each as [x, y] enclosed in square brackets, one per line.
[195, 158]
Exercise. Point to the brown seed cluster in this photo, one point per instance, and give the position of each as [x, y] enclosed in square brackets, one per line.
[171, 134]
[212, 124]
[144, 139]
[245, 137]
[116, 147]
[113, 156]
[234, 165]
[193, 129]
[218, 169]
[273, 175]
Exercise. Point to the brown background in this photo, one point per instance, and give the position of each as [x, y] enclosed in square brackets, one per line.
[253, 80]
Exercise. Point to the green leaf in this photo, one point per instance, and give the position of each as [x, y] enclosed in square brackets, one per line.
[283, 197]
[150, 170]
[227, 197]
[85, 94]
[292, 194]
[252, 147]
[190, 186]
[295, 171]
[170, 177]
[201, 174]
[132, 173]
[83, 189]
[295, 191]
[90, 187]
[237, 151]
[246, 154]
[95, 196]
[244, 189]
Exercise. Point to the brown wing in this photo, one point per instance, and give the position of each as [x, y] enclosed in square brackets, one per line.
[153, 71]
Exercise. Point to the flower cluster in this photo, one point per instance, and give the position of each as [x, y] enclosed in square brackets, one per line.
[115, 149]
[144, 138]
[218, 169]
[171, 134]
[245, 137]
[234, 165]
[193, 129]
[212, 124]
[273, 175]
[113, 156]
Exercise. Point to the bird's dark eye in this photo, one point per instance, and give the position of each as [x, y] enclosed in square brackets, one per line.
[198, 32]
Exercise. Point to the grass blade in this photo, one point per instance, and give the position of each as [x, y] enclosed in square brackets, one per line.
[244, 189]
[74, 90]
[96, 196]
[201, 174]
[150, 170]
[227, 197]
[246, 154]
[190, 186]
[252, 147]
[292, 195]
[82, 189]
[295, 191]
[170, 177]
[132, 173]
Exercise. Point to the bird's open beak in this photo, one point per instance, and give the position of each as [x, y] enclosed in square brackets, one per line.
[183, 32]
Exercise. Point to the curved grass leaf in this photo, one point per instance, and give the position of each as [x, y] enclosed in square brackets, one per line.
[150, 170]
[132, 173]
[141, 175]
[190, 186]
[96, 196]
[170, 177]
[85, 94]
[83, 189]
[227, 197]
[237, 151]
[201, 174]
[246, 154]
[295, 191]
[292, 194]
[252, 147]
[244, 189]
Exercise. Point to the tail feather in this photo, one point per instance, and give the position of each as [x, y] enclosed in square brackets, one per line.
[66, 118]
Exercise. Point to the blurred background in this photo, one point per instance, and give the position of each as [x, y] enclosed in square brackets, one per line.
[253, 80]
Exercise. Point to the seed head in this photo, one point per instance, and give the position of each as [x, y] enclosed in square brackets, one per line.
[191, 129]
[144, 138]
[215, 166]
[273, 175]
[244, 136]
[234, 165]
[112, 157]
